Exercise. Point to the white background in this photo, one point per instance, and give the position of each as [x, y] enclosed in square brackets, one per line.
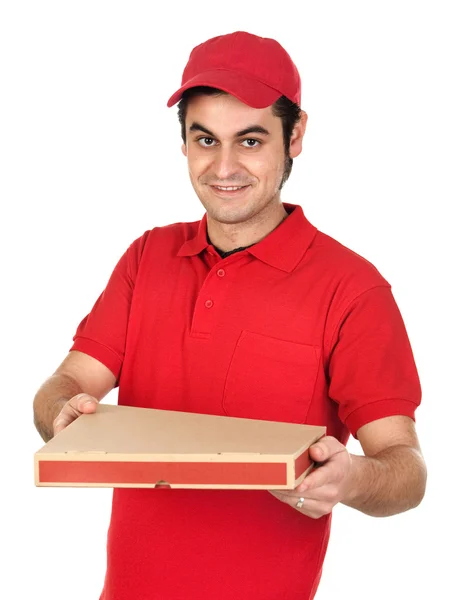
[90, 159]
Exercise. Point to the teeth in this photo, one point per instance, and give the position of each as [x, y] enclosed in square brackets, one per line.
[229, 189]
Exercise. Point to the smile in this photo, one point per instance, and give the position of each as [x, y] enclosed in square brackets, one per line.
[229, 189]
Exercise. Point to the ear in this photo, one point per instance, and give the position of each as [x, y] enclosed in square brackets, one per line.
[184, 149]
[297, 135]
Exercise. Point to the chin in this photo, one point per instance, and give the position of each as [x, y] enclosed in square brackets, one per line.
[230, 217]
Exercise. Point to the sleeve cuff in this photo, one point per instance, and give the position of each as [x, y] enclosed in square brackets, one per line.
[100, 352]
[378, 410]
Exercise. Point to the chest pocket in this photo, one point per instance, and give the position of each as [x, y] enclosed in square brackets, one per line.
[270, 379]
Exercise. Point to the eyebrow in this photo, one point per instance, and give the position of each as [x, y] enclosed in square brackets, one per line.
[251, 129]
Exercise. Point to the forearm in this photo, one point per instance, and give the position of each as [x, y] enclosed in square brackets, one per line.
[387, 483]
[49, 401]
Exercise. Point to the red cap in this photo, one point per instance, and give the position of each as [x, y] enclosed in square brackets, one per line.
[254, 69]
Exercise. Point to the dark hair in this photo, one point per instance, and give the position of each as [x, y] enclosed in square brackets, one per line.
[285, 109]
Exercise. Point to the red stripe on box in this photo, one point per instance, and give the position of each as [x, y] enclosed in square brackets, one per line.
[302, 463]
[108, 472]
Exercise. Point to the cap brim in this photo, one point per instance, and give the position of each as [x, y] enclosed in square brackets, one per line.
[247, 90]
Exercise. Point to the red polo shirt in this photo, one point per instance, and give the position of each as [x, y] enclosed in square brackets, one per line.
[295, 328]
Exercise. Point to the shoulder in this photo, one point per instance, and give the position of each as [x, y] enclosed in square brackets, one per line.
[349, 273]
[162, 238]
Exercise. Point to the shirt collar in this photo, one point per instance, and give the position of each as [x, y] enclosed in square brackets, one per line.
[283, 247]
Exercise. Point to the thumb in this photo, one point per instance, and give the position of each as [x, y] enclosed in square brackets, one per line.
[85, 403]
[318, 452]
[326, 448]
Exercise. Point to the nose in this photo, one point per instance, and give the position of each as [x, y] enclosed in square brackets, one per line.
[225, 164]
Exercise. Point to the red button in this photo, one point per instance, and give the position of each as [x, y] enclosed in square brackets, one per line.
[209, 303]
[221, 273]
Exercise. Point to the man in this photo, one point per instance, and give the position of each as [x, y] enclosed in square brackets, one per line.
[250, 312]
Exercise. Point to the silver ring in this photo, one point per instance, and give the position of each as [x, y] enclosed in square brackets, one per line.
[300, 503]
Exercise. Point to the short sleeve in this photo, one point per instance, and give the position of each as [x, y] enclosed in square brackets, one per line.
[102, 333]
[372, 371]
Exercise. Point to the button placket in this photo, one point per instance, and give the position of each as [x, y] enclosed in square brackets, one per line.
[210, 297]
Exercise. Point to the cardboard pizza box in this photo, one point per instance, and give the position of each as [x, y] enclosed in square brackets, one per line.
[123, 446]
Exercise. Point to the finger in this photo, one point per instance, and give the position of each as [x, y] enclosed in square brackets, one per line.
[65, 417]
[284, 496]
[84, 403]
[75, 407]
[61, 421]
[325, 493]
[311, 507]
[325, 448]
[323, 475]
[330, 472]
[289, 498]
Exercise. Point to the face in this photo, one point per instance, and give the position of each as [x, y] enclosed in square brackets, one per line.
[236, 157]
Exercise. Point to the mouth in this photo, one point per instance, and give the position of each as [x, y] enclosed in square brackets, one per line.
[229, 191]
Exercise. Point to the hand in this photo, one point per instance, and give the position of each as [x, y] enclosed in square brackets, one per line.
[76, 406]
[326, 484]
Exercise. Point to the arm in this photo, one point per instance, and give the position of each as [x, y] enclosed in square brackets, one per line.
[92, 367]
[80, 379]
[389, 479]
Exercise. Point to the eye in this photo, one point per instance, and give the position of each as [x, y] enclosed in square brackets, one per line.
[252, 143]
[206, 142]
